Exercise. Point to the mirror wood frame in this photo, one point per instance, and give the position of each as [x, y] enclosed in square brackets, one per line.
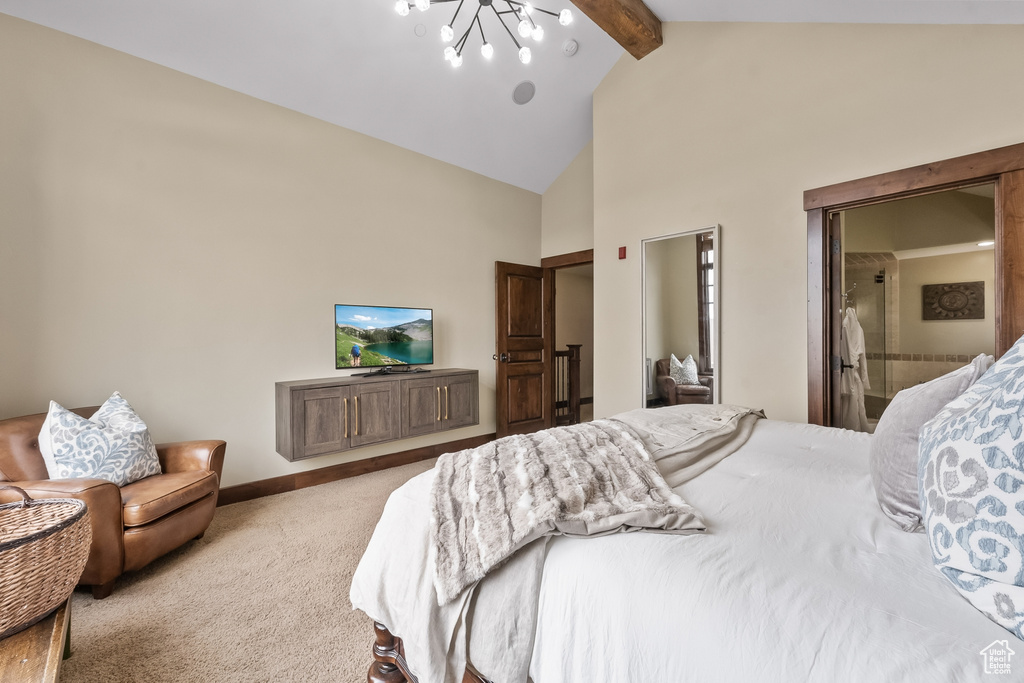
[716, 345]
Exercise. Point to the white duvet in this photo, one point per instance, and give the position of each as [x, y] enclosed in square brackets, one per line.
[800, 577]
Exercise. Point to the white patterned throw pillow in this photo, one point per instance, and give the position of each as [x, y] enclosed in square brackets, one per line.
[971, 487]
[114, 444]
[683, 372]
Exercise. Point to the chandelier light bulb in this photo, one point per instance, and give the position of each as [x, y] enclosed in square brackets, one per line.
[449, 53]
[487, 50]
[529, 8]
[457, 60]
[423, 5]
[402, 7]
[525, 28]
[565, 17]
[447, 33]
[525, 55]
[537, 33]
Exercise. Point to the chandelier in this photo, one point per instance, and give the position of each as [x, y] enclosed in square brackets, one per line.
[523, 13]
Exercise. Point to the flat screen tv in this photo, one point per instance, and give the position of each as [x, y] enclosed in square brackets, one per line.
[383, 336]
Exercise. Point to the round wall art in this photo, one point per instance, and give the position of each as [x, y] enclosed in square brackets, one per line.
[954, 301]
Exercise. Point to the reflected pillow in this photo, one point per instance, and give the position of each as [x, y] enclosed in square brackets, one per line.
[114, 444]
[893, 454]
[971, 477]
[684, 372]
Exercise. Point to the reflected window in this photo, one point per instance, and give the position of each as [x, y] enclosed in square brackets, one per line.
[705, 301]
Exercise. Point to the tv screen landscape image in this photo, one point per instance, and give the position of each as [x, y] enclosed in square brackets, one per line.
[379, 336]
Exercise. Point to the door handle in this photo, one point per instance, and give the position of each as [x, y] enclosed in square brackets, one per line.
[356, 430]
[346, 417]
[438, 403]
[446, 402]
[504, 358]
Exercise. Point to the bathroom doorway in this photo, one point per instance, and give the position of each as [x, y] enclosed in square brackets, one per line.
[918, 294]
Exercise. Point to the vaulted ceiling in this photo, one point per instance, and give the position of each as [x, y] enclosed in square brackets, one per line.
[358, 64]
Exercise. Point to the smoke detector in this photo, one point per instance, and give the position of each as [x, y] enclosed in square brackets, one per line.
[570, 47]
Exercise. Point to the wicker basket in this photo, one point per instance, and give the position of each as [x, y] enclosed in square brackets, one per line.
[44, 545]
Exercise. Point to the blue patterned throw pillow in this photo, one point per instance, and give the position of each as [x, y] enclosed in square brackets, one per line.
[971, 487]
[114, 444]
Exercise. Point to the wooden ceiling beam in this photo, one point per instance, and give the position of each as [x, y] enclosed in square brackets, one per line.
[630, 22]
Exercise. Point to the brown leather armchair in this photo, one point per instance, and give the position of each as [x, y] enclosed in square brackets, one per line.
[675, 394]
[133, 525]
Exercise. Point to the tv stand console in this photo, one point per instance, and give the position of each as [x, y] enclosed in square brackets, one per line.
[321, 416]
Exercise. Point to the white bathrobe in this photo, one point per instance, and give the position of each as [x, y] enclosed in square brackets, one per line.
[854, 379]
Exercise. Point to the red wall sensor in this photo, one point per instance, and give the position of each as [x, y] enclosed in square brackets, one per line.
[622, 252]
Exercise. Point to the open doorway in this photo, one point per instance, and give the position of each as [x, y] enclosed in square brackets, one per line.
[918, 295]
[574, 342]
[1003, 167]
[540, 384]
[574, 335]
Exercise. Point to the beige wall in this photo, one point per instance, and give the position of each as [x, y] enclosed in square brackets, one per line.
[946, 336]
[729, 124]
[567, 208]
[184, 244]
[574, 319]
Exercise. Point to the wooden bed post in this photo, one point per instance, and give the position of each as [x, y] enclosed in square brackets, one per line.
[389, 661]
[386, 658]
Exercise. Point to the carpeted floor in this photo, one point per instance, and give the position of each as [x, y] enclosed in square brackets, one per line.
[263, 596]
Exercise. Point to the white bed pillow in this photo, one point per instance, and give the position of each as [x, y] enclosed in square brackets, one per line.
[971, 478]
[114, 444]
[683, 372]
[893, 454]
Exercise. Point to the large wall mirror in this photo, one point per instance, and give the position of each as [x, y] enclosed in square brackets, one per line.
[681, 291]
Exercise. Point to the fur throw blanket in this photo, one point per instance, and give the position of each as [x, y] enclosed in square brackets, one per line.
[588, 479]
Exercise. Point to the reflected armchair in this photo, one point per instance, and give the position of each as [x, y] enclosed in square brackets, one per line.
[675, 394]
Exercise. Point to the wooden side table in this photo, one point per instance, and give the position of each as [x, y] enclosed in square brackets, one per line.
[36, 653]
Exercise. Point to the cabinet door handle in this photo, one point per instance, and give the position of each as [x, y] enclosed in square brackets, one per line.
[346, 417]
[438, 403]
[356, 401]
[446, 402]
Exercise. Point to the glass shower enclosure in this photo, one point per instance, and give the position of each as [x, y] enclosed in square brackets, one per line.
[868, 292]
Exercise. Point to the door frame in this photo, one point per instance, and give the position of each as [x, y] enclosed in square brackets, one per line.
[552, 263]
[1004, 167]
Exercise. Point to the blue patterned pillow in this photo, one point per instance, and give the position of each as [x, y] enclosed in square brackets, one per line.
[971, 486]
[114, 444]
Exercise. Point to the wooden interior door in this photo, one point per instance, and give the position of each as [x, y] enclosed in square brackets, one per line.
[524, 341]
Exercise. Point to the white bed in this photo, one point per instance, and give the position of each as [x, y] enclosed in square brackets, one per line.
[799, 577]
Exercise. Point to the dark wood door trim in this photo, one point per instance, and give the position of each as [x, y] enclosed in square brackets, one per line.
[1003, 166]
[575, 258]
[971, 169]
[1009, 274]
[817, 312]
